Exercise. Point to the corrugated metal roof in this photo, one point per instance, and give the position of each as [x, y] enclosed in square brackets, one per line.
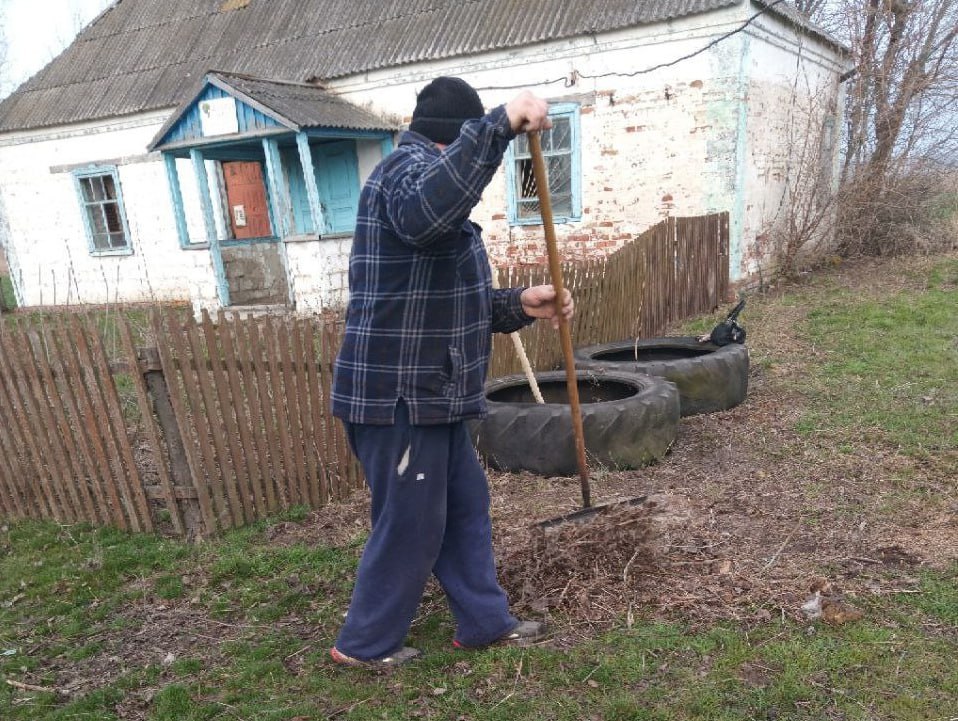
[144, 55]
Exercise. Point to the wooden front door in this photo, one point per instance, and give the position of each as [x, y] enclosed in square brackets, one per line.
[248, 208]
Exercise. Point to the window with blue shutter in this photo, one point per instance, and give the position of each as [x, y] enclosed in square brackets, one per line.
[562, 153]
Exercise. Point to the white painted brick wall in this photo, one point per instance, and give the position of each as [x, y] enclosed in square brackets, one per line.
[46, 236]
[666, 142]
[661, 143]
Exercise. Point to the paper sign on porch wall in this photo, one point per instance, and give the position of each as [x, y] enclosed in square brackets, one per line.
[218, 117]
[239, 216]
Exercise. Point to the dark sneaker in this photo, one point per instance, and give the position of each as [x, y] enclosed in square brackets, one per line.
[525, 632]
[403, 655]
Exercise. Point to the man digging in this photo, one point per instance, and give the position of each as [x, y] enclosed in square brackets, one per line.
[412, 369]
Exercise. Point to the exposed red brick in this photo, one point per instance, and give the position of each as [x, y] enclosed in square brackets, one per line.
[696, 84]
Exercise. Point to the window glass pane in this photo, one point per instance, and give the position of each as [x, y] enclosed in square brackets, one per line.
[97, 185]
[109, 188]
[560, 136]
[560, 173]
[86, 186]
[99, 196]
[521, 145]
[529, 209]
[558, 148]
[526, 180]
[561, 205]
[112, 213]
[97, 221]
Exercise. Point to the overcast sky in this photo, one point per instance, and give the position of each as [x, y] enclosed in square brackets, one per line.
[37, 30]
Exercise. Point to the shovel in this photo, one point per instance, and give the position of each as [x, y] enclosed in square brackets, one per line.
[555, 270]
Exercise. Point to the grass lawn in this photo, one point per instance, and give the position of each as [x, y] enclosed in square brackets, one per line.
[7, 299]
[850, 375]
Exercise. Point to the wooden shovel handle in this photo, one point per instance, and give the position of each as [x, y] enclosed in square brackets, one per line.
[555, 270]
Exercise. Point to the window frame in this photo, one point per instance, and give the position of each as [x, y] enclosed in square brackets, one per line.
[573, 112]
[98, 171]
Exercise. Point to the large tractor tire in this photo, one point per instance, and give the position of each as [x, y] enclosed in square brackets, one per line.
[709, 377]
[629, 421]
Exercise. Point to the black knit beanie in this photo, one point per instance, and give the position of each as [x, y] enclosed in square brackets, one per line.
[442, 107]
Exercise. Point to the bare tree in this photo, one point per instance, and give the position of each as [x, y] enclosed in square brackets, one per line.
[811, 8]
[901, 112]
[807, 205]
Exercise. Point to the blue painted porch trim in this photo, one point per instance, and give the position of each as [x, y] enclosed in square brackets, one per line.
[387, 145]
[345, 134]
[312, 189]
[176, 196]
[189, 126]
[279, 196]
[239, 242]
[282, 208]
[206, 203]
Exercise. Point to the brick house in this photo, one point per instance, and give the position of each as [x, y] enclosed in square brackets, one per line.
[213, 150]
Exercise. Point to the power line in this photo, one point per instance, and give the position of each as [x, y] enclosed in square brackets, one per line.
[570, 79]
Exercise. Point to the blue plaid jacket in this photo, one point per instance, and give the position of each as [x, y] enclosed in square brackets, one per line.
[421, 307]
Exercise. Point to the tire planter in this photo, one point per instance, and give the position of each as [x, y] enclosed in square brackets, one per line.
[629, 421]
[709, 377]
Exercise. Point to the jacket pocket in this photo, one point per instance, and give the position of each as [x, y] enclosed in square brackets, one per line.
[452, 373]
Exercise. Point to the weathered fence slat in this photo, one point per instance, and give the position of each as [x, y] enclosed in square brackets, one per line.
[38, 409]
[13, 484]
[24, 430]
[239, 398]
[320, 427]
[131, 487]
[292, 410]
[288, 479]
[150, 428]
[60, 436]
[180, 409]
[187, 404]
[94, 419]
[262, 409]
[238, 482]
[72, 391]
[219, 460]
[305, 419]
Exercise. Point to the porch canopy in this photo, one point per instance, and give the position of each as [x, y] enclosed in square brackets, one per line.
[276, 123]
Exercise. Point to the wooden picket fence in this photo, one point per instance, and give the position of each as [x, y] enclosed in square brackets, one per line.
[195, 426]
[210, 426]
[675, 270]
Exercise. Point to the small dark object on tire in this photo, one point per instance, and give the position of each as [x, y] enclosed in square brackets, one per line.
[728, 331]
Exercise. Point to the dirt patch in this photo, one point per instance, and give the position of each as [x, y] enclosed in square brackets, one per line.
[766, 512]
[335, 525]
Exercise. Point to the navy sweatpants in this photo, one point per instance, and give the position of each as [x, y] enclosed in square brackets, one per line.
[430, 514]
